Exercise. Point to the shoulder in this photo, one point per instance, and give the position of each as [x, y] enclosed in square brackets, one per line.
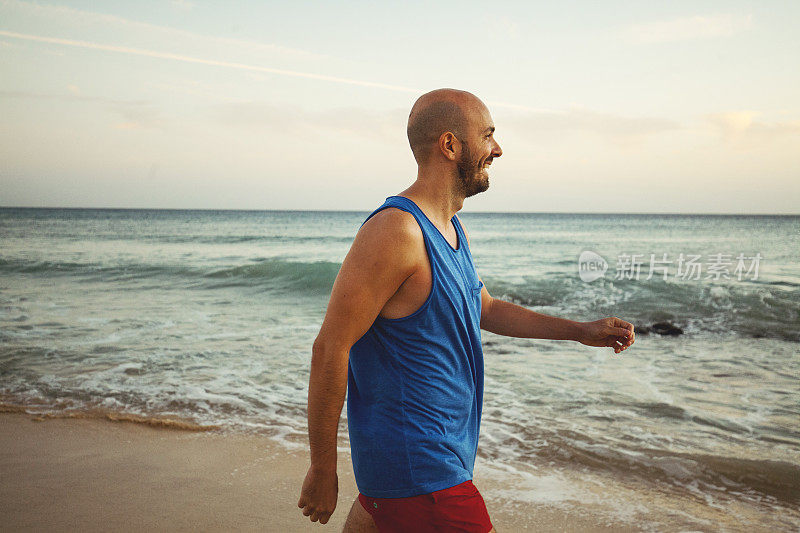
[398, 226]
[390, 241]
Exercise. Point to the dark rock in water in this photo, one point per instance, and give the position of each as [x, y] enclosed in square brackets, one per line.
[662, 328]
[665, 328]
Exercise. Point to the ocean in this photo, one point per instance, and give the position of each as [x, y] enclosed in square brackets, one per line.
[207, 317]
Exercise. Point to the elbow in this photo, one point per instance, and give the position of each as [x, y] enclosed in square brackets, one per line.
[486, 313]
[317, 346]
[318, 351]
[329, 369]
[325, 353]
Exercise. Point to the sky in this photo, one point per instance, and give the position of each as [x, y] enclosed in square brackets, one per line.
[624, 107]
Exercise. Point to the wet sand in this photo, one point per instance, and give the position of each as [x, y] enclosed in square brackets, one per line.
[91, 474]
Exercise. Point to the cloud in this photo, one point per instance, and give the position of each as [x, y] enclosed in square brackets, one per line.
[127, 126]
[390, 126]
[577, 120]
[76, 97]
[139, 116]
[690, 28]
[135, 113]
[384, 126]
[183, 5]
[733, 123]
[193, 88]
[745, 125]
[503, 27]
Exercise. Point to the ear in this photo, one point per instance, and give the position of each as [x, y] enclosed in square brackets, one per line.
[449, 144]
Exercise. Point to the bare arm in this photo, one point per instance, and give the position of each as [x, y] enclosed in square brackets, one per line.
[512, 320]
[381, 258]
[506, 318]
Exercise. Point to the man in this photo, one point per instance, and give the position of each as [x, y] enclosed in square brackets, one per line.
[402, 336]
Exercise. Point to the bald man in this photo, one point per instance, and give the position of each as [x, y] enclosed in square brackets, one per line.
[401, 336]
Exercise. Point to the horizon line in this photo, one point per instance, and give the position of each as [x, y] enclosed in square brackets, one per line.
[371, 209]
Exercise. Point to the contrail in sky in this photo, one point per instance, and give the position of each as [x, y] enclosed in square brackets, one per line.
[240, 66]
[190, 59]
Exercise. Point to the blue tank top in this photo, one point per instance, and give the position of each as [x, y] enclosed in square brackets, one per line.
[415, 384]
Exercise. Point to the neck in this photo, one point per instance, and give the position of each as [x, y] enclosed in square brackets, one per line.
[435, 192]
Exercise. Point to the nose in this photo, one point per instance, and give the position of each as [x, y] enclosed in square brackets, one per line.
[496, 150]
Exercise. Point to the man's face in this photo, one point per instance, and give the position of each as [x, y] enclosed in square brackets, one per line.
[477, 153]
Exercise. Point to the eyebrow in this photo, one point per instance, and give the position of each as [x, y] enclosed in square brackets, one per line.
[489, 130]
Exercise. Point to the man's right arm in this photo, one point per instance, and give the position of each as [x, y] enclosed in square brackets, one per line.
[383, 255]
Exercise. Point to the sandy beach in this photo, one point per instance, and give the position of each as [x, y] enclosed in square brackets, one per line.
[88, 474]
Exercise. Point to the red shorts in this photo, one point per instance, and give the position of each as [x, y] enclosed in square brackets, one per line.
[460, 508]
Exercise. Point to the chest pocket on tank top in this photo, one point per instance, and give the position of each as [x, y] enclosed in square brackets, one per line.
[476, 297]
[476, 291]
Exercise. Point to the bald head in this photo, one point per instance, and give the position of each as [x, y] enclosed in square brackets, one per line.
[435, 113]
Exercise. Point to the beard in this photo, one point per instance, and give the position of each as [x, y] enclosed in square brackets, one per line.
[471, 180]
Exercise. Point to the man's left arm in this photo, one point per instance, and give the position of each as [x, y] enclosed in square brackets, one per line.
[512, 320]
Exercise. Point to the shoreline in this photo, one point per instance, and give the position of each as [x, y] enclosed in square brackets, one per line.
[91, 474]
[98, 471]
